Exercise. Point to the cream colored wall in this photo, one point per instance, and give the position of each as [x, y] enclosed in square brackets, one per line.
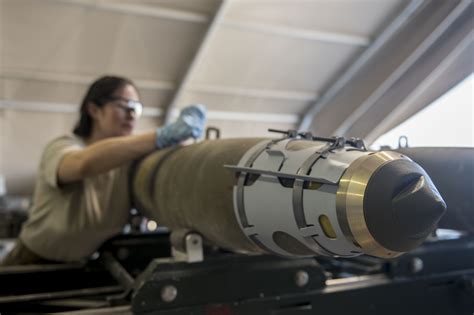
[24, 134]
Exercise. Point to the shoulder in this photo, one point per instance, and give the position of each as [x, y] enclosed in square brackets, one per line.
[53, 153]
[62, 145]
[64, 142]
[67, 139]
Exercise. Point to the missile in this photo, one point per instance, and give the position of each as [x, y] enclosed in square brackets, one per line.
[296, 196]
[452, 171]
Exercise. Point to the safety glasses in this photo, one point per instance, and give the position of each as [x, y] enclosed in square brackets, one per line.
[127, 105]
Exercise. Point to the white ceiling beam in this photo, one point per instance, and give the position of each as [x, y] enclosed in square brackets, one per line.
[142, 10]
[65, 108]
[298, 33]
[10, 73]
[402, 68]
[46, 107]
[198, 56]
[254, 93]
[21, 74]
[61, 108]
[256, 117]
[188, 16]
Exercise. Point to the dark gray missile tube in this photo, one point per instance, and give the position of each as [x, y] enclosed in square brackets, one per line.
[452, 171]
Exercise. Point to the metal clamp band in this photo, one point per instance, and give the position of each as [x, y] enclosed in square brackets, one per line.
[241, 181]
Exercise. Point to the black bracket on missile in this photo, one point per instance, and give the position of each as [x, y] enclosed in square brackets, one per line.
[333, 143]
[278, 174]
[336, 142]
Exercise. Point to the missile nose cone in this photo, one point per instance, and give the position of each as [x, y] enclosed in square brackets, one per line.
[417, 208]
[402, 206]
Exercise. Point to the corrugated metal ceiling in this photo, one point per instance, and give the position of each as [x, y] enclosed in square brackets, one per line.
[261, 61]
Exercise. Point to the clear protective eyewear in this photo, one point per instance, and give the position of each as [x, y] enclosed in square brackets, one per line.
[128, 105]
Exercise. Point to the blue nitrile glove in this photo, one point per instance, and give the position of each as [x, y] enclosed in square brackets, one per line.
[190, 124]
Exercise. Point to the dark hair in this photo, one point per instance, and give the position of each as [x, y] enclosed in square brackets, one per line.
[99, 92]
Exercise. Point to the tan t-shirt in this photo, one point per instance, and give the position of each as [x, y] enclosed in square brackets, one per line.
[70, 222]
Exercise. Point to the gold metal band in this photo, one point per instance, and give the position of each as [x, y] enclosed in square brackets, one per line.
[350, 202]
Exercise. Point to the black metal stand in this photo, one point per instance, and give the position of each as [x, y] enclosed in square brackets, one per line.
[437, 278]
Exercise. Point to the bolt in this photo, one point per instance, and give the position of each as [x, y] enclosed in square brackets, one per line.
[301, 278]
[416, 265]
[195, 241]
[169, 293]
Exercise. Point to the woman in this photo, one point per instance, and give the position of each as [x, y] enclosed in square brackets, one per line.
[81, 195]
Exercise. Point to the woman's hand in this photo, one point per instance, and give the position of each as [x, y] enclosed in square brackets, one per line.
[190, 124]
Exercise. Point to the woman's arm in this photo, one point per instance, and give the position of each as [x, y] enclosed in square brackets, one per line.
[103, 156]
[110, 153]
